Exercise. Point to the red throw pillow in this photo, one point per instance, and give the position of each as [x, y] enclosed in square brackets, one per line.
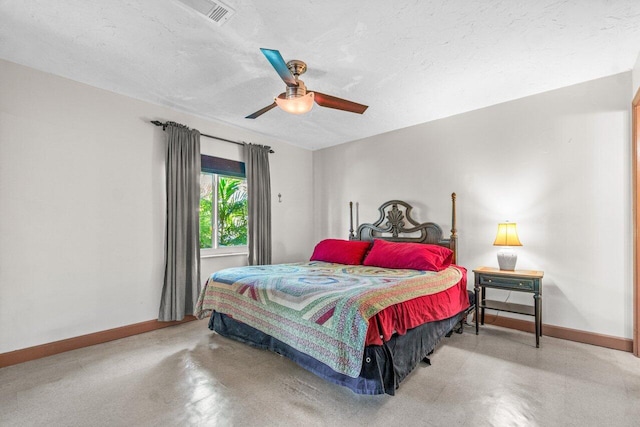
[416, 256]
[350, 252]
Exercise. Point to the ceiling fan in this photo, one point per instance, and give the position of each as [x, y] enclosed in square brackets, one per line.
[297, 99]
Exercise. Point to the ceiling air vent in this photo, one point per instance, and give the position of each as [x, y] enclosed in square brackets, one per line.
[214, 10]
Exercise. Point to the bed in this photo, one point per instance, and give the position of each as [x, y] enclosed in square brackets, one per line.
[362, 313]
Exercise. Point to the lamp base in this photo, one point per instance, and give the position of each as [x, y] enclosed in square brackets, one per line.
[507, 260]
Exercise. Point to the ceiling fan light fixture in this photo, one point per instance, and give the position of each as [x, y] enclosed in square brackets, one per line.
[297, 105]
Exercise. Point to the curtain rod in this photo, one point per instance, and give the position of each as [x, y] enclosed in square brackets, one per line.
[164, 125]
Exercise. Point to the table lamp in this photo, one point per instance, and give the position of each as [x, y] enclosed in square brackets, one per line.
[507, 236]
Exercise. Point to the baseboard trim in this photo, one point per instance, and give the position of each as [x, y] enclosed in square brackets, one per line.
[615, 343]
[49, 349]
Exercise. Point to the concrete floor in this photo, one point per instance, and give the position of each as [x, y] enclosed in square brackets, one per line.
[188, 376]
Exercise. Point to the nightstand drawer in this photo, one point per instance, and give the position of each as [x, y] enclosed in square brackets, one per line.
[507, 282]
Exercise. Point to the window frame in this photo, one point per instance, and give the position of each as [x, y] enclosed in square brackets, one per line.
[219, 167]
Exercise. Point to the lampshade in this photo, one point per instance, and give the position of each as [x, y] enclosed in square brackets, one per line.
[507, 235]
[297, 105]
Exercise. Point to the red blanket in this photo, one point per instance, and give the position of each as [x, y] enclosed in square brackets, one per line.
[399, 318]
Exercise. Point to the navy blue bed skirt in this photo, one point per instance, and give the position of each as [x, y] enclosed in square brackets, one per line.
[383, 368]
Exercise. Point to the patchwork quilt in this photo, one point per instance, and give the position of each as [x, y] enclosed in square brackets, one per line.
[321, 309]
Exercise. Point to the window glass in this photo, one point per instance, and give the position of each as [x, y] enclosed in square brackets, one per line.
[206, 213]
[232, 211]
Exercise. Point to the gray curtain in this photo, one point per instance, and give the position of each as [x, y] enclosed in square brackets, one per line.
[259, 203]
[182, 250]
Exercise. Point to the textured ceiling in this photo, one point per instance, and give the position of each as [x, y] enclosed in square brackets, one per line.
[410, 61]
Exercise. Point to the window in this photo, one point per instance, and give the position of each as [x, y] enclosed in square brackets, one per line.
[223, 205]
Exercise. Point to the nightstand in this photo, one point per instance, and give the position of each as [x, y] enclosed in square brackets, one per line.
[518, 280]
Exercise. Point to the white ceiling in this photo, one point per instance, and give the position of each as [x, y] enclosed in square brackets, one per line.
[410, 61]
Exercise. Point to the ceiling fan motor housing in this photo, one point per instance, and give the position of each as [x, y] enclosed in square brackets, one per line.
[296, 91]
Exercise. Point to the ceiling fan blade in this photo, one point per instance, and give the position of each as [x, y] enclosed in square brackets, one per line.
[329, 101]
[274, 57]
[261, 112]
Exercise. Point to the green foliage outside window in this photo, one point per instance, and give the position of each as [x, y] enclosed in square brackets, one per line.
[231, 210]
[206, 201]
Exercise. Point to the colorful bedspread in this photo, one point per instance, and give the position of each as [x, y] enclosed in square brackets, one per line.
[319, 308]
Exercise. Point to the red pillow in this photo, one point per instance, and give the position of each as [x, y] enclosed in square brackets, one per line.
[350, 252]
[416, 256]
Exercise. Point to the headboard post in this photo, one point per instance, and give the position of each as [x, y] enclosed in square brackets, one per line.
[351, 236]
[454, 236]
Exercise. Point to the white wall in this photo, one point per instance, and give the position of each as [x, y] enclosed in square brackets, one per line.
[82, 206]
[82, 199]
[636, 76]
[557, 164]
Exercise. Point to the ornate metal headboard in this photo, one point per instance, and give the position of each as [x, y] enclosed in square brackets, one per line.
[395, 214]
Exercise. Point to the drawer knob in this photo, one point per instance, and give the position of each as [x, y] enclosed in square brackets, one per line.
[489, 280]
[520, 284]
